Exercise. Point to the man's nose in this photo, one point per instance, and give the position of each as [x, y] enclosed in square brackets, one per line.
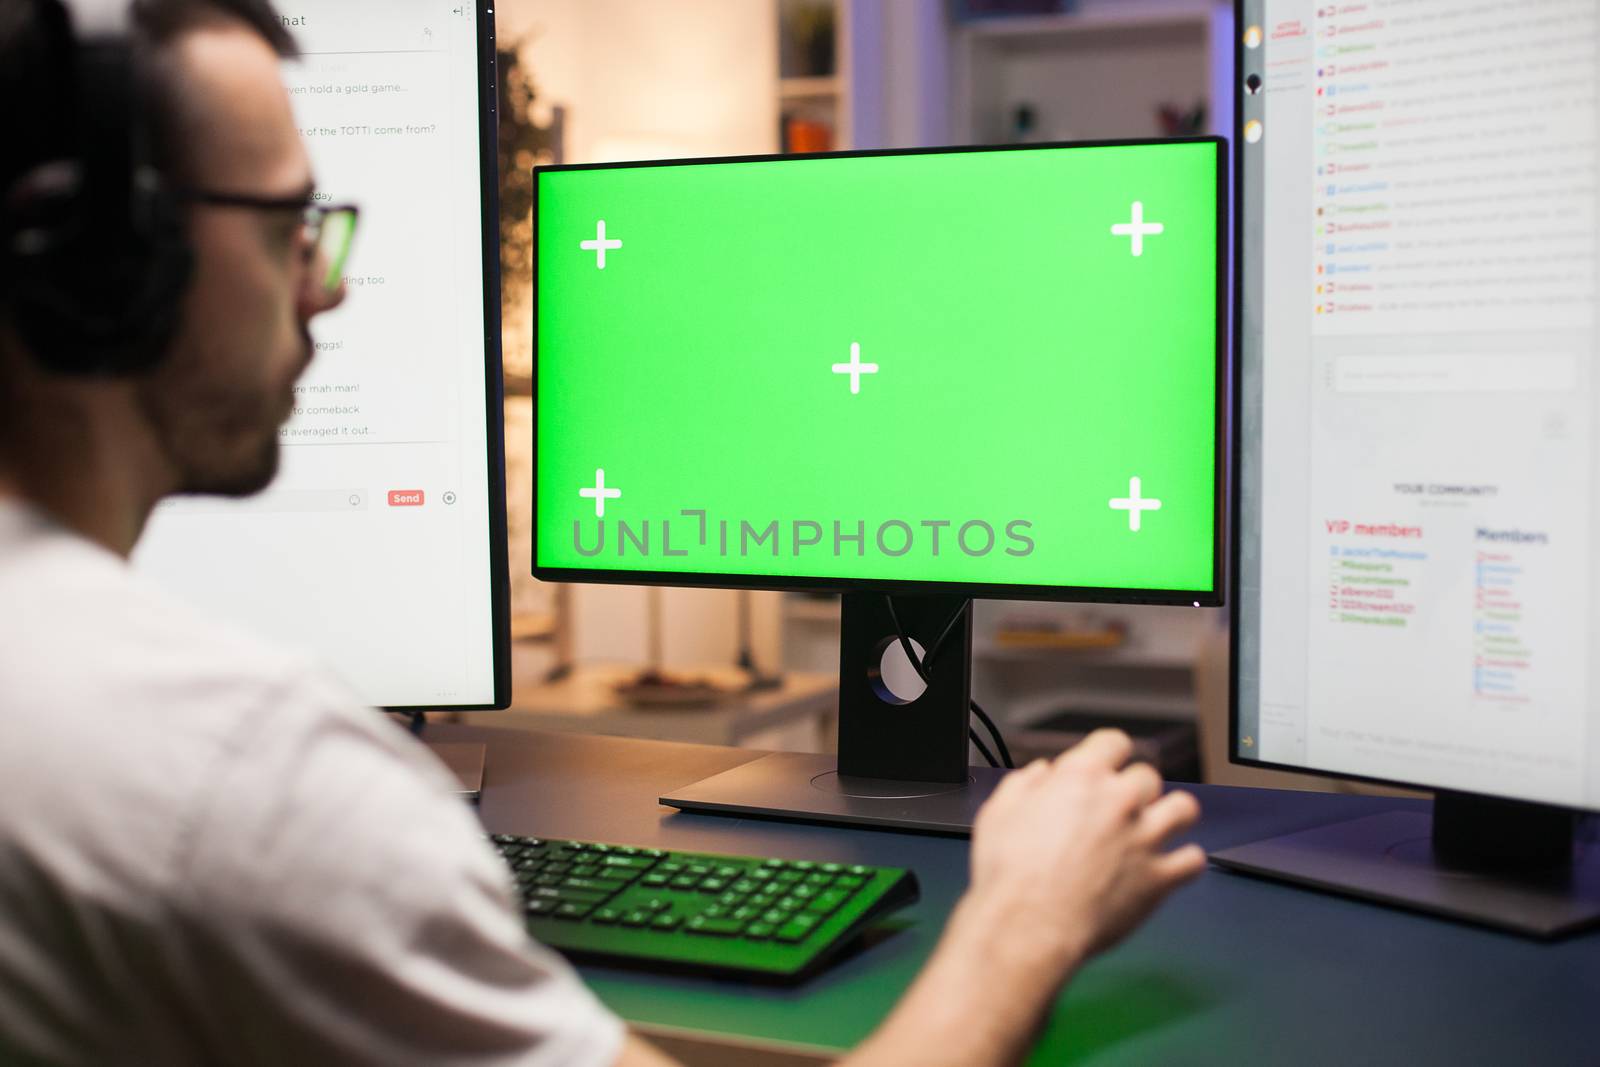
[315, 296]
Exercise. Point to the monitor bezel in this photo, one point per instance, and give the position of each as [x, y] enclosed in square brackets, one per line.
[1214, 597]
[494, 381]
[1236, 470]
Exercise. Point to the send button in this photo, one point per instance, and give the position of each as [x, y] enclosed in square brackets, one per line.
[405, 498]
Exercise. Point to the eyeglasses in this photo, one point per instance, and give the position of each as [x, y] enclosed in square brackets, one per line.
[326, 230]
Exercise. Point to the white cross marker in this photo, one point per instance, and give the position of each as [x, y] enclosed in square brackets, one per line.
[855, 368]
[600, 494]
[1135, 505]
[599, 245]
[1137, 230]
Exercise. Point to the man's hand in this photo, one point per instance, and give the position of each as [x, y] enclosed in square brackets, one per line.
[1073, 850]
[1067, 858]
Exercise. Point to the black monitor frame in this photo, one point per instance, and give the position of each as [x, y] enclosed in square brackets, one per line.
[902, 764]
[493, 375]
[1487, 859]
[1236, 469]
[987, 590]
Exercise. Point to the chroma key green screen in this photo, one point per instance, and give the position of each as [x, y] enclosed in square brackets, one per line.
[994, 367]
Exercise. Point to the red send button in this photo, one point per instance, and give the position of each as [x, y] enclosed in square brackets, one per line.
[405, 498]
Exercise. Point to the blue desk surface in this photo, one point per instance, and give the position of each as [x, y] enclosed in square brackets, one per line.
[1232, 970]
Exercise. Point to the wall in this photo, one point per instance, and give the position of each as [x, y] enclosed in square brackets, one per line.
[647, 79]
[643, 79]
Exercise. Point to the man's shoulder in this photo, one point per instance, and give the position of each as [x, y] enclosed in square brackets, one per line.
[125, 705]
[83, 634]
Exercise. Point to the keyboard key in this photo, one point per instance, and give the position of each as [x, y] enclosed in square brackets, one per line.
[699, 870]
[826, 903]
[654, 880]
[731, 897]
[606, 916]
[789, 877]
[714, 927]
[803, 865]
[585, 870]
[637, 918]
[713, 885]
[657, 904]
[761, 900]
[789, 904]
[804, 892]
[818, 878]
[629, 862]
[759, 931]
[597, 885]
[743, 914]
[716, 911]
[850, 881]
[796, 928]
[670, 868]
[575, 896]
[773, 889]
[573, 910]
[728, 871]
[539, 906]
[684, 881]
[774, 865]
[860, 870]
[831, 868]
[744, 885]
[665, 922]
[776, 916]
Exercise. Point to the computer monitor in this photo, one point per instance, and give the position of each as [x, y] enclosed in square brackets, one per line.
[926, 375]
[381, 545]
[1416, 574]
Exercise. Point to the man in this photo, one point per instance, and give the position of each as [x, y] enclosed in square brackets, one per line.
[208, 851]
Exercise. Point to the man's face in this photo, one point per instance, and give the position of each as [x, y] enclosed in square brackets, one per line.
[216, 403]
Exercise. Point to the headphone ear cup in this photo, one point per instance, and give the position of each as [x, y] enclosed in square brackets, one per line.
[108, 304]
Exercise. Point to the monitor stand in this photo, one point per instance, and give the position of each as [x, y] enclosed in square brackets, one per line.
[901, 764]
[1497, 863]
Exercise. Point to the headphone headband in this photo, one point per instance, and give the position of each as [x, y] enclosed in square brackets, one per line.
[99, 259]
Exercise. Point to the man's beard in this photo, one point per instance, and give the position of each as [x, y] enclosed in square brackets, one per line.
[244, 479]
[219, 442]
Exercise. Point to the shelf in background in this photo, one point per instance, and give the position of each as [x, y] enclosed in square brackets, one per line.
[1101, 73]
[1024, 30]
[1150, 659]
[808, 88]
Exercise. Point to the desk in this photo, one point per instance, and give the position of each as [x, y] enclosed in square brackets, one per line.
[586, 701]
[1232, 971]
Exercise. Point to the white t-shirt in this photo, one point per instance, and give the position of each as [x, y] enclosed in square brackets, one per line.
[210, 853]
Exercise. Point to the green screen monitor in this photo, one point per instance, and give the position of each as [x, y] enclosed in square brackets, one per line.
[935, 374]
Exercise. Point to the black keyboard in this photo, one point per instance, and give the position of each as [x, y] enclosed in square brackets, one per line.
[742, 916]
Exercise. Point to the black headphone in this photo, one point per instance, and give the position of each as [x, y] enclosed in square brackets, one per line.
[93, 246]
